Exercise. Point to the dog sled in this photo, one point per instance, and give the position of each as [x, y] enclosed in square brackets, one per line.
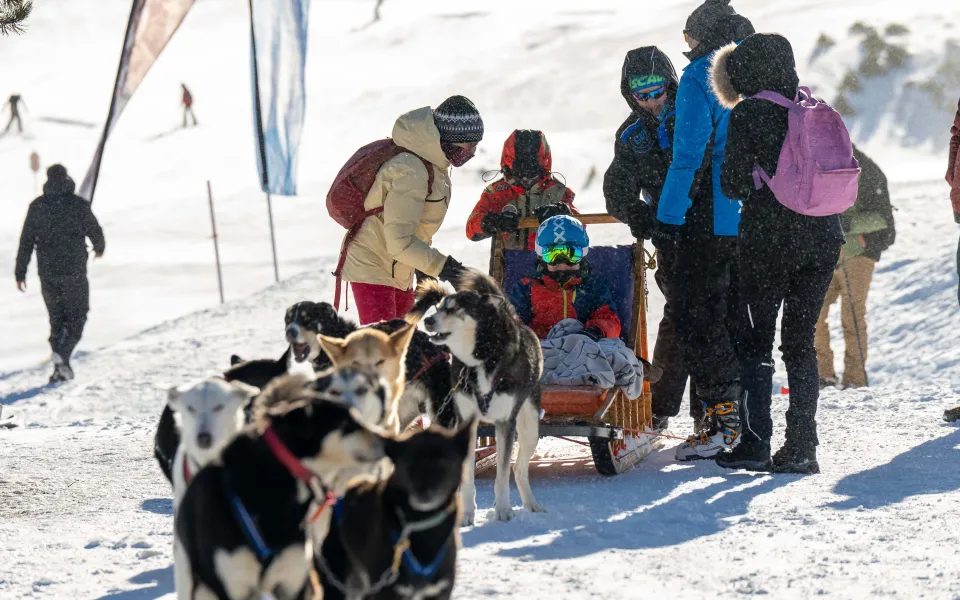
[613, 425]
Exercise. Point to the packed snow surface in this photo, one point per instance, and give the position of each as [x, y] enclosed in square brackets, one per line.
[84, 510]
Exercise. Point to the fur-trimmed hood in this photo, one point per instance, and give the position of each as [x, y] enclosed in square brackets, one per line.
[763, 61]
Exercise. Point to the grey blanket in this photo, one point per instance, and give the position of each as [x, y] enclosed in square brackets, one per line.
[571, 358]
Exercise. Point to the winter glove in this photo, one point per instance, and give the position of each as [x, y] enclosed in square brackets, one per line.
[642, 223]
[593, 332]
[505, 222]
[542, 213]
[451, 270]
[665, 238]
[846, 221]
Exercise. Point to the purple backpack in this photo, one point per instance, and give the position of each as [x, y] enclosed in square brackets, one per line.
[816, 173]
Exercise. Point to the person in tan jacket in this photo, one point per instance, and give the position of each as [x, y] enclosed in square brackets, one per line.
[391, 246]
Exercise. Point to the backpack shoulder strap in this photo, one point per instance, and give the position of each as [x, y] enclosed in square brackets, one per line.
[429, 166]
[775, 98]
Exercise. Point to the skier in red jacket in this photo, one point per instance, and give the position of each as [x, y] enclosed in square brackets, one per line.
[187, 103]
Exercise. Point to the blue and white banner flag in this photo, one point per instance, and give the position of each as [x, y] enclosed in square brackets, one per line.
[278, 31]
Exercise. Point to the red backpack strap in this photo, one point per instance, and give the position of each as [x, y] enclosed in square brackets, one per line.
[347, 240]
[429, 166]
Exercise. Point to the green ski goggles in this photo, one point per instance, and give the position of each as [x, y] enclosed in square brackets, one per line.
[562, 253]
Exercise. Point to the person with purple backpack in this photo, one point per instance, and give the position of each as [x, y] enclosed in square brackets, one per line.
[790, 236]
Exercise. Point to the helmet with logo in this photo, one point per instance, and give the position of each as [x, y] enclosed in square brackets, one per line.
[562, 230]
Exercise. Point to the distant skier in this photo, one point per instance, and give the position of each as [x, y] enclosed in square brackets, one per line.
[187, 103]
[14, 102]
[57, 225]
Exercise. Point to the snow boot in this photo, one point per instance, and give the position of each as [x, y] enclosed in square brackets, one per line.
[952, 415]
[800, 459]
[750, 454]
[721, 426]
[61, 369]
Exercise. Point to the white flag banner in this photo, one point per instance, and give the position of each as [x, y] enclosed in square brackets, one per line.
[278, 41]
[152, 23]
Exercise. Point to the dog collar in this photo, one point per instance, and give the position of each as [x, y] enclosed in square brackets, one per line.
[187, 472]
[286, 458]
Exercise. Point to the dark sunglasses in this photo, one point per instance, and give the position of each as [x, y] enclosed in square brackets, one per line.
[651, 95]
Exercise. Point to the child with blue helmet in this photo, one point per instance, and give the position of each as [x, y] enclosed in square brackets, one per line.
[564, 287]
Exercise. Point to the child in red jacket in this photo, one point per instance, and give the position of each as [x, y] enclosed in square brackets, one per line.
[565, 289]
[527, 189]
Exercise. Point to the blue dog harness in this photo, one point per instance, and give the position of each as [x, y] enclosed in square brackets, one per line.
[264, 552]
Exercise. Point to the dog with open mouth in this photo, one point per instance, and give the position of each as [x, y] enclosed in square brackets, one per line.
[497, 364]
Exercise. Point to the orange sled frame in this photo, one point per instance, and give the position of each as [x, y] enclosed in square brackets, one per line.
[613, 425]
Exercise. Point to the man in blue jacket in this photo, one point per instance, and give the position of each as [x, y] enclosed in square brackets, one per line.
[698, 226]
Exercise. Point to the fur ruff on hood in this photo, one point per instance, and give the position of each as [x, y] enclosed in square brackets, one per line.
[720, 81]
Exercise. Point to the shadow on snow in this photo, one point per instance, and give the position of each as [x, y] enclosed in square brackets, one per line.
[659, 503]
[162, 580]
[930, 468]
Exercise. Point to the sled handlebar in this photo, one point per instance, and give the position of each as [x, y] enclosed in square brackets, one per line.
[591, 219]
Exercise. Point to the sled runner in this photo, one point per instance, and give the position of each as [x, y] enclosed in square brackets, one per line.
[612, 424]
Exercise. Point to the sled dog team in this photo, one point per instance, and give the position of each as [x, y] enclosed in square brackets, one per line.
[291, 477]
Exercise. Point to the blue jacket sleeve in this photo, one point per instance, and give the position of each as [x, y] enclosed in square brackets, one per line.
[694, 126]
[519, 297]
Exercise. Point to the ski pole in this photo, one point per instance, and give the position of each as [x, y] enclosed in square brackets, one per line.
[856, 322]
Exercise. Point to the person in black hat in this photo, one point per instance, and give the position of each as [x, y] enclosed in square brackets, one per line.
[697, 227]
[642, 154]
[58, 224]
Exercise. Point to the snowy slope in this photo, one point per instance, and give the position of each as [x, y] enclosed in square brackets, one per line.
[84, 512]
[552, 65]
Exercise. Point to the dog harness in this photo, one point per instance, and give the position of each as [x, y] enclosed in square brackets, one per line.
[246, 521]
[402, 554]
[472, 386]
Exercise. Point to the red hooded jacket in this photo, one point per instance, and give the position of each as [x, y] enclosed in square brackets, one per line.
[504, 191]
[953, 168]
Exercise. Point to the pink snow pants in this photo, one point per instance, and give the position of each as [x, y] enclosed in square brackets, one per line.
[381, 302]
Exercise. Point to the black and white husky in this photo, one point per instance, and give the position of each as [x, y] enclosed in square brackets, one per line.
[240, 527]
[497, 366]
[397, 538]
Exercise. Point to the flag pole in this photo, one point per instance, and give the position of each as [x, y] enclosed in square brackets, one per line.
[261, 144]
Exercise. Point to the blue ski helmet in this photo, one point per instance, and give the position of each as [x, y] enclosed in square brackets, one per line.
[562, 229]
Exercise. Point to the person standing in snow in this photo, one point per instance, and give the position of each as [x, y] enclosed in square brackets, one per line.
[697, 231]
[526, 190]
[14, 102]
[642, 154]
[58, 224]
[953, 177]
[186, 100]
[785, 258]
[390, 246]
[869, 229]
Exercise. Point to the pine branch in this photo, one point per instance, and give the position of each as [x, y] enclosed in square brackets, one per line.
[12, 15]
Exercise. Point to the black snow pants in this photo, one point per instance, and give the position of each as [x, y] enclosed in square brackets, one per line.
[775, 272]
[668, 391]
[707, 300]
[68, 301]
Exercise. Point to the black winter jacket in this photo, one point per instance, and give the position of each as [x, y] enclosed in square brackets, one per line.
[643, 149]
[756, 135]
[57, 225]
[874, 194]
